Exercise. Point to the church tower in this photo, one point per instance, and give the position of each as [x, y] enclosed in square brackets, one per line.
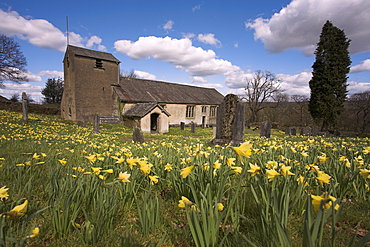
[89, 78]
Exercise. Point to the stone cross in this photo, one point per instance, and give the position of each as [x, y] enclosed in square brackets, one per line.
[25, 108]
[265, 129]
[230, 121]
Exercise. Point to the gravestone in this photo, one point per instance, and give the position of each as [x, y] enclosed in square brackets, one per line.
[306, 131]
[137, 135]
[192, 127]
[182, 125]
[230, 121]
[265, 129]
[327, 134]
[293, 132]
[96, 124]
[336, 133]
[25, 108]
[82, 124]
[315, 130]
[287, 131]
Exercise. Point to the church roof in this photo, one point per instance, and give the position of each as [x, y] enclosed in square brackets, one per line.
[141, 109]
[79, 51]
[139, 90]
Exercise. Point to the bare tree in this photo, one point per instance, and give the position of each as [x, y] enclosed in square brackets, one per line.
[302, 103]
[263, 87]
[360, 103]
[12, 61]
[130, 74]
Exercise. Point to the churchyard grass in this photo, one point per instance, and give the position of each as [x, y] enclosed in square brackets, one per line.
[61, 184]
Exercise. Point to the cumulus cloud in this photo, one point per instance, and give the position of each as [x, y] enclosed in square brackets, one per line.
[238, 79]
[179, 52]
[297, 84]
[364, 66]
[298, 25]
[51, 73]
[168, 25]
[13, 88]
[209, 38]
[95, 40]
[357, 87]
[40, 32]
[199, 79]
[145, 75]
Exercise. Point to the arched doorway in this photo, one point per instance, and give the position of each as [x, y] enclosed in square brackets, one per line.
[154, 122]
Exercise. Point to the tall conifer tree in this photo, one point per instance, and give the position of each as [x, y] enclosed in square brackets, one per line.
[329, 77]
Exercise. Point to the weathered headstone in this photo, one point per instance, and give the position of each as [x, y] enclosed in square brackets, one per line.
[287, 131]
[214, 131]
[192, 127]
[96, 124]
[182, 125]
[315, 130]
[265, 129]
[293, 132]
[82, 124]
[230, 121]
[327, 134]
[336, 133]
[306, 131]
[25, 108]
[137, 135]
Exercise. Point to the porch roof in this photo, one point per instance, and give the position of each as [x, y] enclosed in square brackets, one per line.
[142, 109]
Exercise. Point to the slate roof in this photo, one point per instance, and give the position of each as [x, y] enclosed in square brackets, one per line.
[92, 54]
[135, 90]
[141, 109]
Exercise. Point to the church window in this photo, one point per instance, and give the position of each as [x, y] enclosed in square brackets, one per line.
[190, 111]
[212, 111]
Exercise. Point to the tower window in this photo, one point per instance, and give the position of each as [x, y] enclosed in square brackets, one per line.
[98, 64]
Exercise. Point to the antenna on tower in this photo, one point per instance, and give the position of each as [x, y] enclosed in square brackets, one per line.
[67, 31]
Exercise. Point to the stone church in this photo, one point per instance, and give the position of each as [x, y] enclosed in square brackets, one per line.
[93, 85]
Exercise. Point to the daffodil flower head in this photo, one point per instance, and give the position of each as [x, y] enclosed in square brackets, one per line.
[271, 174]
[186, 171]
[35, 232]
[17, 210]
[123, 177]
[255, 169]
[184, 202]
[324, 201]
[4, 193]
[245, 149]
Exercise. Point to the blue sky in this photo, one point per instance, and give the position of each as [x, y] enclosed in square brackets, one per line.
[206, 43]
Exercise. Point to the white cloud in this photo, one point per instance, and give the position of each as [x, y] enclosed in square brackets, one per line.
[145, 75]
[40, 32]
[199, 79]
[188, 35]
[195, 8]
[32, 77]
[209, 38]
[237, 79]
[357, 87]
[51, 73]
[298, 25]
[168, 25]
[14, 88]
[179, 52]
[95, 40]
[364, 66]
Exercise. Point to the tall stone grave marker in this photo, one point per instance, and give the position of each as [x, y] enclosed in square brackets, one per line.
[182, 125]
[137, 135]
[230, 121]
[265, 129]
[25, 108]
[96, 124]
[192, 127]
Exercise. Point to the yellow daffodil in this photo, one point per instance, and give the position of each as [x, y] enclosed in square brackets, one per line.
[255, 169]
[301, 180]
[102, 177]
[217, 165]
[96, 170]
[245, 149]
[4, 193]
[365, 173]
[237, 169]
[366, 150]
[184, 202]
[271, 174]
[131, 162]
[145, 167]
[323, 201]
[153, 179]
[62, 161]
[220, 206]
[186, 171]
[323, 158]
[120, 160]
[91, 158]
[323, 178]
[17, 210]
[35, 156]
[285, 170]
[43, 155]
[123, 177]
[359, 161]
[35, 233]
[168, 167]
[304, 154]
[271, 164]
[230, 161]
[108, 171]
